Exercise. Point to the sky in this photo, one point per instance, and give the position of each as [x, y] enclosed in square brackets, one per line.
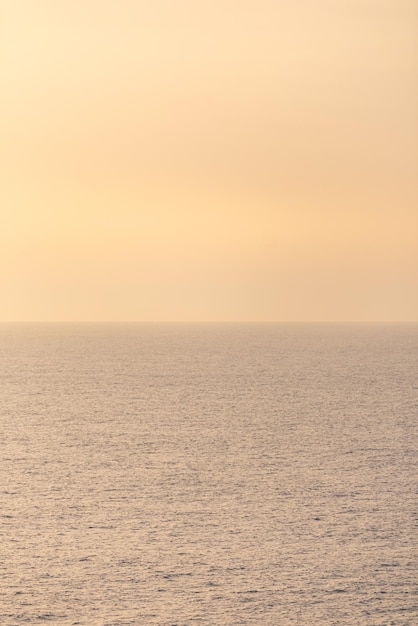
[231, 160]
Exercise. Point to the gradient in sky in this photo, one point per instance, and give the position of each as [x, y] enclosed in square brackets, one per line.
[210, 161]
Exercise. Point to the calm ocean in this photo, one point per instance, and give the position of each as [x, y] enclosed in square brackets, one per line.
[208, 474]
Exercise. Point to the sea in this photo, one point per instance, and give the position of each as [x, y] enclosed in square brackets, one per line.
[214, 474]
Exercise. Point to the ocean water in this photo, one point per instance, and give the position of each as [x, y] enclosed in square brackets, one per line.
[224, 474]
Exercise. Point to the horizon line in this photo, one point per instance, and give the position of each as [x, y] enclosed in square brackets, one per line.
[214, 322]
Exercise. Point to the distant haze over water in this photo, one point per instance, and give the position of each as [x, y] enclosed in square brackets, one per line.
[157, 474]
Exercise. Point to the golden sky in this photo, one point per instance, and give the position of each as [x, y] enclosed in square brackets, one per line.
[231, 160]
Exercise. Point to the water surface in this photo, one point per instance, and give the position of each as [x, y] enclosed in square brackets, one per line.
[173, 474]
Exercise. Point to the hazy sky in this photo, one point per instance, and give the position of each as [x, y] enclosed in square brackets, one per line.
[249, 160]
